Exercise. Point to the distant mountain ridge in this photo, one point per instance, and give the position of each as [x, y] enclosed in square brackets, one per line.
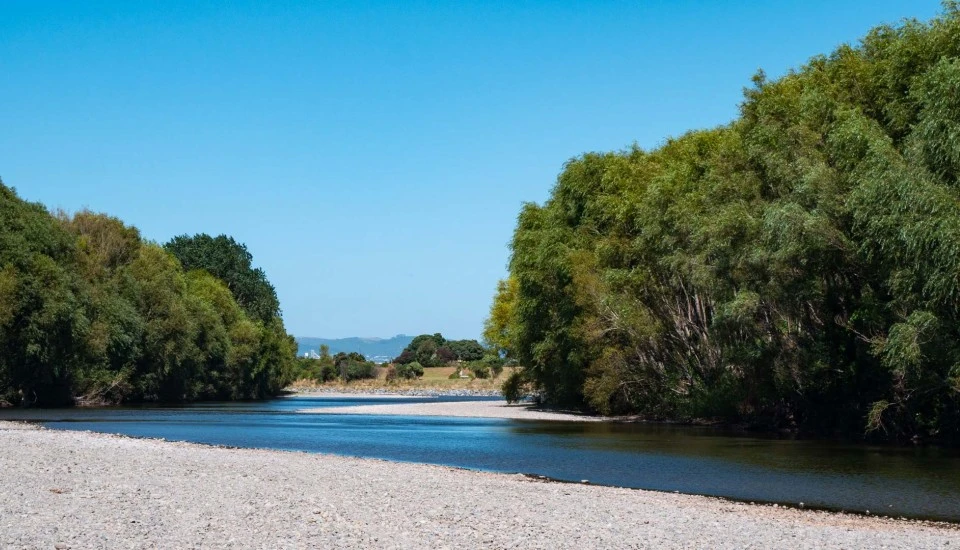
[372, 348]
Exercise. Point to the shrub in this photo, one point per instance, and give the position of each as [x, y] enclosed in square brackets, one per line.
[480, 370]
[515, 387]
[444, 355]
[359, 371]
[327, 373]
[409, 371]
[494, 363]
[405, 357]
[391, 373]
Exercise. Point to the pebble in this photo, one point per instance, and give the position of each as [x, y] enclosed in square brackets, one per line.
[409, 392]
[145, 493]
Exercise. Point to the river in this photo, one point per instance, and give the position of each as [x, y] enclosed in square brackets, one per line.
[896, 481]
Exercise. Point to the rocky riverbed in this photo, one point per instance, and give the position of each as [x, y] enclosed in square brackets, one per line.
[472, 409]
[82, 490]
[404, 392]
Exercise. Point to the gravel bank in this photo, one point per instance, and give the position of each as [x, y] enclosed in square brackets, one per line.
[475, 409]
[82, 490]
[406, 392]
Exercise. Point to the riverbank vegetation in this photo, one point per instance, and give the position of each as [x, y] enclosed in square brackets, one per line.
[798, 268]
[341, 366]
[469, 356]
[443, 380]
[438, 362]
[91, 312]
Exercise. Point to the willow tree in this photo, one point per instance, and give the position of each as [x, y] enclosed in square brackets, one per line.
[90, 312]
[798, 267]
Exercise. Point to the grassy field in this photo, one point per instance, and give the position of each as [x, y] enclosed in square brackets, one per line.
[438, 373]
[436, 378]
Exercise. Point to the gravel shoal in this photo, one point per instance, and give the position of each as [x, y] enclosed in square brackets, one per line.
[474, 409]
[408, 392]
[63, 489]
[367, 395]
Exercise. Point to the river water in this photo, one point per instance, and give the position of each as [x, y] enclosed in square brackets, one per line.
[895, 481]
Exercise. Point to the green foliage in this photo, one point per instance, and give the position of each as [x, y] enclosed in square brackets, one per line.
[342, 358]
[409, 371]
[797, 268]
[489, 366]
[91, 313]
[433, 350]
[345, 366]
[423, 349]
[516, 387]
[425, 353]
[230, 262]
[466, 350]
[494, 363]
[327, 373]
[415, 344]
[443, 355]
[479, 370]
[496, 328]
[359, 371]
[406, 356]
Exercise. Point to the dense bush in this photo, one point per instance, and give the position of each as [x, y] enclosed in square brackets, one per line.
[516, 387]
[316, 369]
[328, 372]
[342, 366]
[91, 312]
[358, 371]
[796, 268]
[479, 370]
[433, 350]
[494, 363]
[409, 371]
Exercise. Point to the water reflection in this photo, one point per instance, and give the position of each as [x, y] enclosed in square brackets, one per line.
[916, 482]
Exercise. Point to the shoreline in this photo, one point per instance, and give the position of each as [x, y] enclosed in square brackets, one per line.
[31, 425]
[570, 415]
[87, 489]
[461, 409]
[340, 390]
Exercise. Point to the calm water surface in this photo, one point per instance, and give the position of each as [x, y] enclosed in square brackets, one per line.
[892, 481]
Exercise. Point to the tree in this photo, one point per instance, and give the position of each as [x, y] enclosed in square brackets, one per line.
[496, 328]
[409, 371]
[437, 340]
[405, 357]
[425, 353]
[793, 269]
[91, 313]
[342, 358]
[42, 305]
[466, 350]
[230, 262]
[444, 355]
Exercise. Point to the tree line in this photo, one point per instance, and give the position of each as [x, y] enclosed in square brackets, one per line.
[341, 366]
[424, 351]
[91, 312]
[798, 268]
[433, 350]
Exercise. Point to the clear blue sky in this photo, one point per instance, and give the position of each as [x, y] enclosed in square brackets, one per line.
[373, 156]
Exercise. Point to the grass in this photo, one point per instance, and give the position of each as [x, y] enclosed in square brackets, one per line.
[434, 378]
[438, 373]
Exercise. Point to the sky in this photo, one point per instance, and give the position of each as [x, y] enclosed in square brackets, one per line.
[373, 156]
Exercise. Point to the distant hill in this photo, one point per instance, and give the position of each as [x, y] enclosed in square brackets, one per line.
[372, 348]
